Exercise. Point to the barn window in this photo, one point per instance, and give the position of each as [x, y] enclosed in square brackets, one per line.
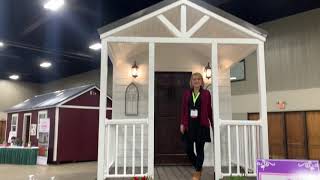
[14, 123]
[131, 100]
[41, 115]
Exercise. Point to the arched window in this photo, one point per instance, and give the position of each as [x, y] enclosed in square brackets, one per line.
[131, 100]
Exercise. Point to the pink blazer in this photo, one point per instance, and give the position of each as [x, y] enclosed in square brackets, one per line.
[206, 109]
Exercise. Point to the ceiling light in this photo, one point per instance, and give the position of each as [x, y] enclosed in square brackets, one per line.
[96, 46]
[233, 78]
[1, 44]
[45, 64]
[14, 77]
[53, 5]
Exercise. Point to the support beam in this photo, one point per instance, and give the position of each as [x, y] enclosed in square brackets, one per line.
[151, 110]
[215, 110]
[197, 26]
[183, 19]
[102, 111]
[263, 100]
[169, 26]
[183, 40]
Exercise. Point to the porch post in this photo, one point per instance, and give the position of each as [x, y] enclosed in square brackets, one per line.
[263, 99]
[151, 110]
[215, 109]
[102, 109]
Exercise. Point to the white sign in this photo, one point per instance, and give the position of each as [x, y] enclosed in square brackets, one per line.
[43, 141]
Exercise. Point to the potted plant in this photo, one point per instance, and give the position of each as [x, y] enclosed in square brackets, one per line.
[142, 178]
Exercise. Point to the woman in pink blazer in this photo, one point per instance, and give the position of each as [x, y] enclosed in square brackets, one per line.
[196, 120]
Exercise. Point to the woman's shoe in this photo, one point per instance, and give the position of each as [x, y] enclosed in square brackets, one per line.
[196, 175]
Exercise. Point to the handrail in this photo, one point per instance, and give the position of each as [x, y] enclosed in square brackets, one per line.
[241, 122]
[126, 121]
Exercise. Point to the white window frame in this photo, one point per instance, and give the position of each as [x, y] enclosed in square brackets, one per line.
[17, 122]
[24, 131]
[46, 116]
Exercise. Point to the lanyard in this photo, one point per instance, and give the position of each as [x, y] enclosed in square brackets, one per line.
[195, 97]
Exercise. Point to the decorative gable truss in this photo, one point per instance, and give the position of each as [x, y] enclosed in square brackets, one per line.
[183, 32]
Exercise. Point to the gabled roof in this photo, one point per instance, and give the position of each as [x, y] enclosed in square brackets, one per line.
[165, 3]
[50, 99]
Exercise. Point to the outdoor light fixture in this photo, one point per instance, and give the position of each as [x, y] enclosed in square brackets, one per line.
[134, 70]
[1, 44]
[208, 71]
[53, 5]
[96, 46]
[45, 64]
[14, 77]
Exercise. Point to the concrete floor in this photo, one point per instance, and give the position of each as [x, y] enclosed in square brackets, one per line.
[76, 171]
[88, 170]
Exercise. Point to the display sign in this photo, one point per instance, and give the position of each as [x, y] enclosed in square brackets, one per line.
[287, 169]
[43, 141]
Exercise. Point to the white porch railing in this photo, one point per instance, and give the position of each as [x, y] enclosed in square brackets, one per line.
[125, 144]
[240, 147]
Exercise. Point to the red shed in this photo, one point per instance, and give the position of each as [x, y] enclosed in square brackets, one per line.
[74, 122]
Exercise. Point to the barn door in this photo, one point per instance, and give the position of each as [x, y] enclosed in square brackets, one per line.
[296, 135]
[313, 125]
[169, 88]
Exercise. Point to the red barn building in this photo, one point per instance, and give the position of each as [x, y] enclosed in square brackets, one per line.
[74, 122]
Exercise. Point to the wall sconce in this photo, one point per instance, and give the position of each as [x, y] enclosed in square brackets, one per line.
[134, 70]
[208, 71]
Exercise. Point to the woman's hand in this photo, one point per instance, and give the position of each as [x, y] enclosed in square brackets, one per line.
[182, 129]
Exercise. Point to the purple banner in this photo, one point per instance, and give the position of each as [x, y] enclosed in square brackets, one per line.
[287, 169]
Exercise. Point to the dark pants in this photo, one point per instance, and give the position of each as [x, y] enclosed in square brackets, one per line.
[196, 160]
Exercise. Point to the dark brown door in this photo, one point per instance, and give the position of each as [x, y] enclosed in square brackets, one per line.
[169, 87]
[313, 126]
[277, 136]
[2, 130]
[296, 135]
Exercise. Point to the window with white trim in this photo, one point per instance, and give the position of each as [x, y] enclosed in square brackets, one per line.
[41, 115]
[14, 123]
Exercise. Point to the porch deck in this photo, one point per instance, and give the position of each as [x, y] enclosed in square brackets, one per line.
[180, 173]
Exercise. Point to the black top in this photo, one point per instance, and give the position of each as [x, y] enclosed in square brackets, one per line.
[197, 133]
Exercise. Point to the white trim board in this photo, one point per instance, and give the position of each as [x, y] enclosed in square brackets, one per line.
[56, 135]
[82, 107]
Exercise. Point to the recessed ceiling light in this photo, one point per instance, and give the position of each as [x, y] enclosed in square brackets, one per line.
[1, 44]
[14, 77]
[96, 46]
[53, 5]
[45, 64]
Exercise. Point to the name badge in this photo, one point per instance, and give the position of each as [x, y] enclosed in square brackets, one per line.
[194, 113]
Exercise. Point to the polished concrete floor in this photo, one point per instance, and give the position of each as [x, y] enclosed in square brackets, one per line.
[87, 171]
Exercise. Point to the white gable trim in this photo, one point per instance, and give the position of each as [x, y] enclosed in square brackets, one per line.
[183, 17]
[225, 20]
[198, 25]
[141, 19]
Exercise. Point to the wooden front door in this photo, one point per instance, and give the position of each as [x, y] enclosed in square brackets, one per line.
[296, 135]
[169, 87]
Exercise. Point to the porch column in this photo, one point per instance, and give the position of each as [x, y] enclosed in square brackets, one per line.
[102, 109]
[151, 110]
[215, 109]
[263, 100]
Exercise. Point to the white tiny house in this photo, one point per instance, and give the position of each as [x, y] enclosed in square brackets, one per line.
[169, 41]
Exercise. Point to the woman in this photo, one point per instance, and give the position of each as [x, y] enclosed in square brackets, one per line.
[196, 119]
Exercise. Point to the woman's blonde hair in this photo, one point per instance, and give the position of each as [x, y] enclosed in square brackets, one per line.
[196, 75]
